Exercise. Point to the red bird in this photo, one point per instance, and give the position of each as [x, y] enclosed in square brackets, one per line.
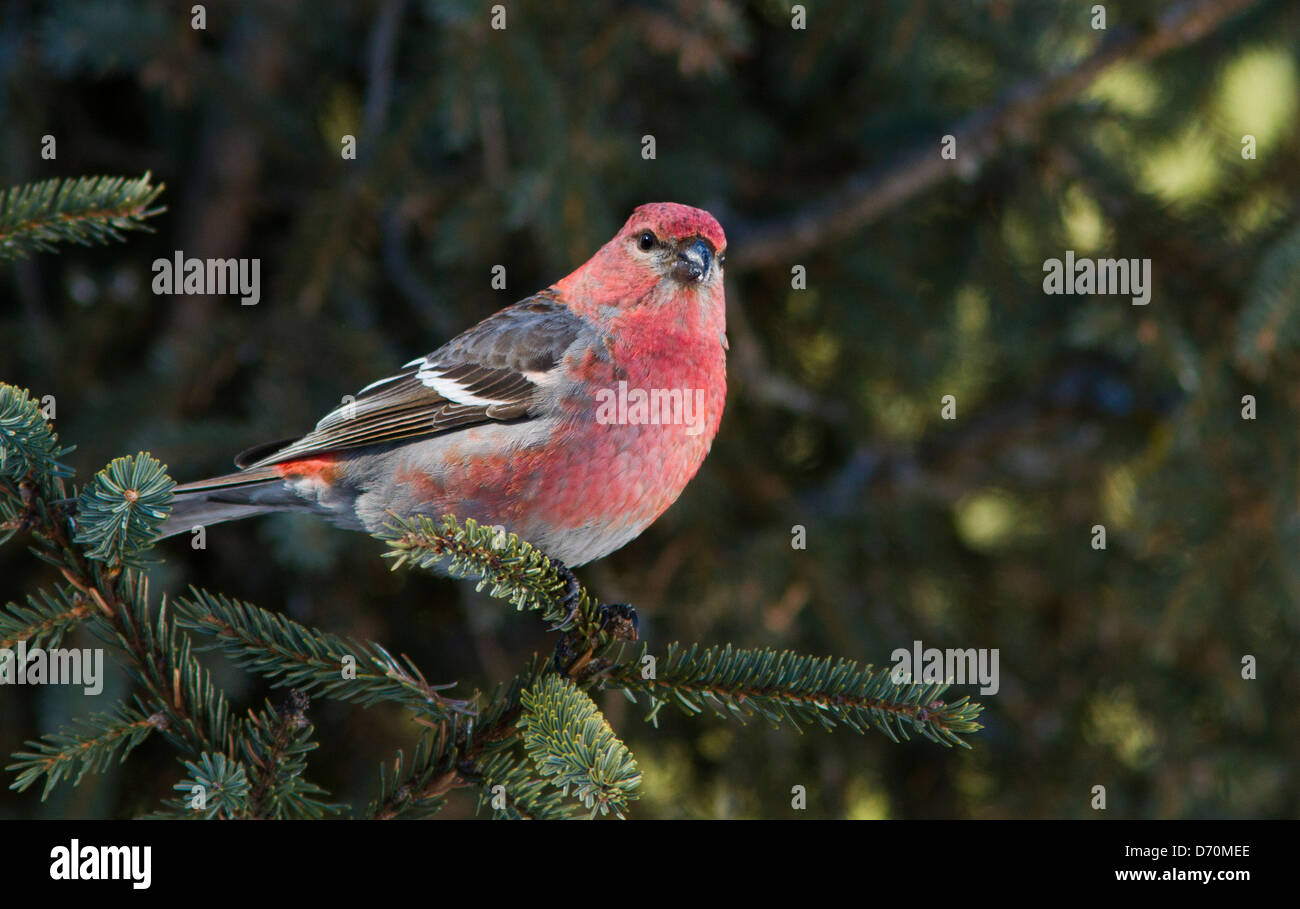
[573, 418]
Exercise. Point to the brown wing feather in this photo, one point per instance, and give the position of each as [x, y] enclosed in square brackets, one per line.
[489, 366]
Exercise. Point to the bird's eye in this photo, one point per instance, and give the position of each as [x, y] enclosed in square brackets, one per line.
[647, 241]
[722, 259]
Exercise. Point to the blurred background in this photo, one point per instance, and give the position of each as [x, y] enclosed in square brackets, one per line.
[816, 147]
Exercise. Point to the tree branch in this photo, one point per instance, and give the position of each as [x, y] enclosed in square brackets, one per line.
[865, 197]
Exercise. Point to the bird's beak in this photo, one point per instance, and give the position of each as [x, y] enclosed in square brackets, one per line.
[693, 259]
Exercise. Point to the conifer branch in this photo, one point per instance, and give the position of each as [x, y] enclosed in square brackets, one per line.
[217, 788]
[1268, 326]
[523, 795]
[162, 659]
[509, 568]
[276, 744]
[112, 600]
[417, 787]
[91, 747]
[309, 660]
[29, 452]
[514, 570]
[506, 783]
[473, 751]
[197, 715]
[46, 618]
[120, 510]
[783, 686]
[866, 197]
[255, 767]
[568, 739]
[86, 211]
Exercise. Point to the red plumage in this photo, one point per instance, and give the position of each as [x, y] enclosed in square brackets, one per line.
[573, 418]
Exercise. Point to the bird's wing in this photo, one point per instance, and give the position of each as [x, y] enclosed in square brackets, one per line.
[492, 372]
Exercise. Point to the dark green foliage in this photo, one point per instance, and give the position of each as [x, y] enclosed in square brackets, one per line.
[43, 621]
[1269, 324]
[255, 767]
[217, 787]
[817, 148]
[87, 210]
[800, 689]
[120, 510]
[27, 443]
[308, 660]
[89, 746]
[525, 796]
[276, 743]
[570, 742]
[506, 566]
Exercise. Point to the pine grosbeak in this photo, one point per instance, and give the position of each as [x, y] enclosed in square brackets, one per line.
[573, 418]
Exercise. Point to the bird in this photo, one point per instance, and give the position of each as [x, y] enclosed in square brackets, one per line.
[541, 419]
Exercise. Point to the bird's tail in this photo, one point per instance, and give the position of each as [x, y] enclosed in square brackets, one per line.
[227, 498]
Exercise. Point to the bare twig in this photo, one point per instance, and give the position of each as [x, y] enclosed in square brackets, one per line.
[865, 197]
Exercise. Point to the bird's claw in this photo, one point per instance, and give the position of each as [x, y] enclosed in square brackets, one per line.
[620, 620]
[572, 601]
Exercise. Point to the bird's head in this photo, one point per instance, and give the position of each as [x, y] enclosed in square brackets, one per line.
[675, 241]
[664, 251]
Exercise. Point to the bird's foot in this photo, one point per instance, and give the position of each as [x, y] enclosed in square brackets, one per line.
[574, 654]
[574, 650]
[620, 620]
[572, 602]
